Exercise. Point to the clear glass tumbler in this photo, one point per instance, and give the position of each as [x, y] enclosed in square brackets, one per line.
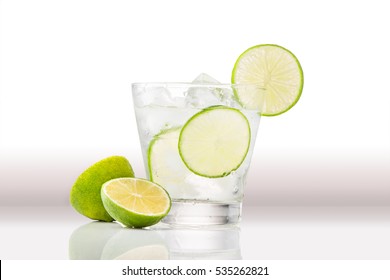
[162, 111]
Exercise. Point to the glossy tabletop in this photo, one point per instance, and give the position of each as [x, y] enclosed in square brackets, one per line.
[317, 233]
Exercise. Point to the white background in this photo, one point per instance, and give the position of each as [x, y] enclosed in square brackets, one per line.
[65, 101]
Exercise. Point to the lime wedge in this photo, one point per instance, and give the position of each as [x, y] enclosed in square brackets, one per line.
[277, 70]
[215, 141]
[135, 202]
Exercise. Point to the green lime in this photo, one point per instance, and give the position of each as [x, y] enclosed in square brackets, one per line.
[215, 141]
[277, 70]
[85, 193]
[135, 202]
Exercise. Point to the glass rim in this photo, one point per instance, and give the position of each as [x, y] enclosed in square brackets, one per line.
[188, 84]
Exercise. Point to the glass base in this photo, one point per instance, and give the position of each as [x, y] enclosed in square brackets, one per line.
[202, 213]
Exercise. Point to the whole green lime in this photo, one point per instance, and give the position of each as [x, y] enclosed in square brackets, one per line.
[85, 194]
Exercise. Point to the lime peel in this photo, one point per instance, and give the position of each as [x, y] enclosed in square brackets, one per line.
[85, 193]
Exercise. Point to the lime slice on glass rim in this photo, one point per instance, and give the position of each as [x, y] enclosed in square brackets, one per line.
[135, 202]
[215, 141]
[277, 70]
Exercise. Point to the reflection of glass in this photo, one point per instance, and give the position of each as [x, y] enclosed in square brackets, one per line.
[203, 244]
[162, 110]
[98, 240]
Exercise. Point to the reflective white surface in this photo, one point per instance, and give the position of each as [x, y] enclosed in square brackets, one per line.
[264, 233]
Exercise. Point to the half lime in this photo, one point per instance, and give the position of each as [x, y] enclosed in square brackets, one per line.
[135, 202]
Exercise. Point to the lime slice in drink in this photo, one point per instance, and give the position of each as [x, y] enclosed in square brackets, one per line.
[135, 202]
[277, 70]
[215, 141]
[164, 163]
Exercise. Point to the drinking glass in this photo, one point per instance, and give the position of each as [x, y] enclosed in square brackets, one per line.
[162, 110]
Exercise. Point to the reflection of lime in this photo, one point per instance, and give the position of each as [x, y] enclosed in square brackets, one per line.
[135, 244]
[277, 70]
[215, 141]
[87, 242]
[85, 193]
[135, 202]
[151, 252]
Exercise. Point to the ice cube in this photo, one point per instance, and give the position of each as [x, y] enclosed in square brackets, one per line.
[159, 96]
[209, 93]
[201, 97]
[204, 78]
